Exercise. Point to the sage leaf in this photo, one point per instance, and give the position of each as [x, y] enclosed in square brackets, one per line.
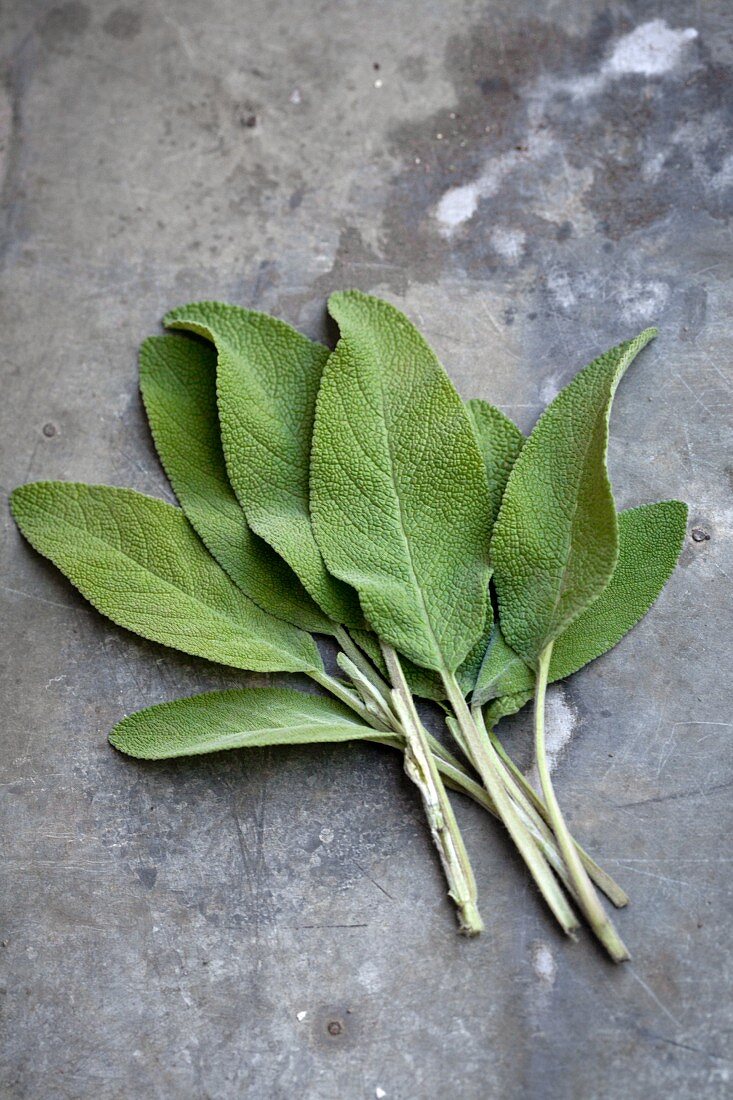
[237, 719]
[650, 541]
[267, 383]
[178, 385]
[555, 541]
[138, 561]
[399, 497]
[500, 442]
[421, 681]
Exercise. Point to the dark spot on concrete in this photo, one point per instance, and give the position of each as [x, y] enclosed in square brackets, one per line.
[249, 121]
[335, 1027]
[699, 534]
[376, 66]
[564, 231]
[147, 876]
[296, 198]
[123, 24]
[49, 430]
[63, 22]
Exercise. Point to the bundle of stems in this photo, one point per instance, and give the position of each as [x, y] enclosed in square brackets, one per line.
[352, 494]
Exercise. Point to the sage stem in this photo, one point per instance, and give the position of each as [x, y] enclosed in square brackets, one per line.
[482, 757]
[421, 767]
[587, 897]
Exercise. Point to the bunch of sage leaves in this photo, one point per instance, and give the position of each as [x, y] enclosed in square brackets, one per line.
[353, 494]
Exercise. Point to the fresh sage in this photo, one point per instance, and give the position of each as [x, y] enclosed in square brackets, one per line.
[353, 494]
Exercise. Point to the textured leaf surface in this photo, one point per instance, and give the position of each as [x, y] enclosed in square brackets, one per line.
[398, 490]
[555, 542]
[178, 384]
[138, 561]
[267, 381]
[421, 681]
[650, 541]
[236, 720]
[500, 442]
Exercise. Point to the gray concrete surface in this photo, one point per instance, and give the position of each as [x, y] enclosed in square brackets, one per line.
[531, 181]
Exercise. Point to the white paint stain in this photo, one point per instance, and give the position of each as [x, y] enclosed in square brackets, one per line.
[560, 722]
[379, 1093]
[550, 388]
[543, 963]
[457, 205]
[642, 302]
[300, 1016]
[650, 49]
[509, 243]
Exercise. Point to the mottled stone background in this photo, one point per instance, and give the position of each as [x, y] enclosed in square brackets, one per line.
[531, 181]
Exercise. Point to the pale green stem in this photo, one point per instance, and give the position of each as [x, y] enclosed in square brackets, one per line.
[601, 878]
[362, 662]
[587, 897]
[421, 767]
[373, 699]
[451, 768]
[483, 759]
[345, 695]
[455, 731]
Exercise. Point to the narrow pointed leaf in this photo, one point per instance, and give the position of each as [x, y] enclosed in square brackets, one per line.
[650, 541]
[138, 561]
[267, 382]
[500, 442]
[178, 384]
[555, 542]
[241, 719]
[398, 490]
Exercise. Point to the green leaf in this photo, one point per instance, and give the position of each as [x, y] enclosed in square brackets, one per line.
[650, 541]
[500, 442]
[555, 542]
[178, 384]
[398, 491]
[138, 561]
[267, 383]
[236, 720]
[421, 681]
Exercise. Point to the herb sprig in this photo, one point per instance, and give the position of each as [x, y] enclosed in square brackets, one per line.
[353, 494]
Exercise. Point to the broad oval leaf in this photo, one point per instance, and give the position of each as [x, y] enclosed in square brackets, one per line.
[500, 441]
[555, 542]
[268, 376]
[237, 719]
[399, 497]
[650, 541]
[178, 385]
[138, 561]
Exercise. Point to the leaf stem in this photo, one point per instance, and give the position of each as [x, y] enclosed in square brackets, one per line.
[587, 896]
[347, 696]
[483, 758]
[362, 662]
[602, 879]
[421, 767]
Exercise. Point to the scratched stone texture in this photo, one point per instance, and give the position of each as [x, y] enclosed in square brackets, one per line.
[531, 181]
